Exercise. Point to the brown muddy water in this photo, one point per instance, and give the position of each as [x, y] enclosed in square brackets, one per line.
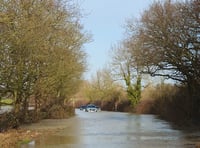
[112, 130]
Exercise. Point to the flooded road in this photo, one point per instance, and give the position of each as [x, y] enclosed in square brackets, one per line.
[113, 130]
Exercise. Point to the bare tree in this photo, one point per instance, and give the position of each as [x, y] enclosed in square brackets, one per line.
[168, 37]
[124, 68]
[103, 89]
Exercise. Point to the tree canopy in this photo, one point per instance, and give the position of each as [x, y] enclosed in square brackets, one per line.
[167, 37]
[125, 69]
[40, 49]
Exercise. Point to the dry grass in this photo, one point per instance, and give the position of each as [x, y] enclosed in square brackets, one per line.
[13, 138]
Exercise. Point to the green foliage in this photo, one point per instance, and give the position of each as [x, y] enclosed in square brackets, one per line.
[6, 101]
[24, 141]
[126, 69]
[134, 92]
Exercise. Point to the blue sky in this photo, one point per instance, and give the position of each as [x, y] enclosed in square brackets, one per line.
[105, 20]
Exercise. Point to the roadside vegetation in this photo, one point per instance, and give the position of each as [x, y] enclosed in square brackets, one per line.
[41, 59]
[42, 62]
[169, 101]
[164, 42]
[103, 91]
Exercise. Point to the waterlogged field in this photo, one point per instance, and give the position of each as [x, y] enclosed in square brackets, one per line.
[112, 130]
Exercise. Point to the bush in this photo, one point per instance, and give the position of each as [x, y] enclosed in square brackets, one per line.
[169, 102]
[31, 117]
[8, 121]
[145, 107]
[175, 107]
[60, 112]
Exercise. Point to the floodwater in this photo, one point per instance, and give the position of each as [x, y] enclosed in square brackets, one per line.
[5, 108]
[112, 130]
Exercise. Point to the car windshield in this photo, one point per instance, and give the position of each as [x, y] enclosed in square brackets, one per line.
[91, 106]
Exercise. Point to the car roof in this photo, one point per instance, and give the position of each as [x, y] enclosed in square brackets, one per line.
[91, 105]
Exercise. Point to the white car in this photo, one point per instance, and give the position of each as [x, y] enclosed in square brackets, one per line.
[92, 108]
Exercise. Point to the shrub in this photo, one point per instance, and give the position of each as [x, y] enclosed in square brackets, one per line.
[8, 120]
[145, 107]
[170, 102]
[59, 112]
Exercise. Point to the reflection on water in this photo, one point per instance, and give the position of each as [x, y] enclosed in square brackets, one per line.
[113, 130]
[56, 140]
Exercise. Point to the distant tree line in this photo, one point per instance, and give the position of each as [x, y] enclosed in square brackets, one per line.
[104, 91]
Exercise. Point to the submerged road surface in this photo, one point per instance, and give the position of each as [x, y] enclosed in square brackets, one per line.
[113, 130]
